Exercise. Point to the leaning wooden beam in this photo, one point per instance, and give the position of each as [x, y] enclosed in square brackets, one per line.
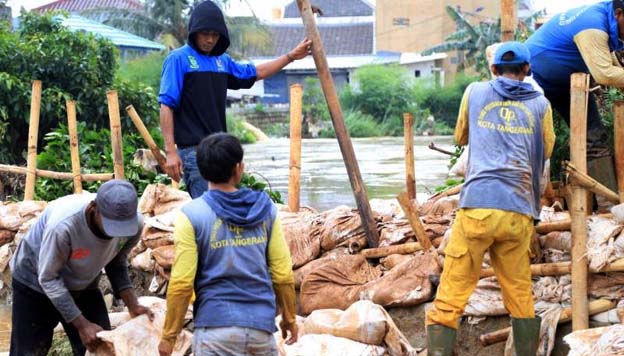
[578, 210]
[509, 19]
[89, 177]
[590, 183]
[403, 249]
[595, 307]
[33, 136]
[410, 172]
[73, 144]
[149, 140]
[344, 141]
[618, 127]
[413, 217]
[296, 118]
[542, 269]
[115, 131]
[447, 193]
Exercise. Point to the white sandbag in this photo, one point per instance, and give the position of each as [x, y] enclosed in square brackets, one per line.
[140, 336]
[605, 341]
[329, 345]
[601, 233]
[13, 215]
[143, 261]
[610, 317]
[5, 256]
[486, 300]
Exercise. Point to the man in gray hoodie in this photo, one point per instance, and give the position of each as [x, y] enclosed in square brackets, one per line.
[56, 269]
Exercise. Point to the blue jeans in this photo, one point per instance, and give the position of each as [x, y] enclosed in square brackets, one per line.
[196, 185]
[234, 341]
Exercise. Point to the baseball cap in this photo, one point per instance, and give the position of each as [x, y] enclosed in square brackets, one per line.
[520, 51]
[117, 203]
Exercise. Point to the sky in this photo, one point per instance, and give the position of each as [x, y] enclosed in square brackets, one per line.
[262, 8]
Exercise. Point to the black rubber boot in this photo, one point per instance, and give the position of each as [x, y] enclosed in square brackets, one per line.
[440, 340]
[526, 335]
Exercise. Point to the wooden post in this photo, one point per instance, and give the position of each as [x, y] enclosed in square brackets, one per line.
[294, 178]
[410, 174]
[73, 145]
[344, 141]
[412, 216]
[92, 177]
[509, 19]
[578, 210]
[115, 128]
[402, 249]
[149, 140]
[618, 127]
[33, 136]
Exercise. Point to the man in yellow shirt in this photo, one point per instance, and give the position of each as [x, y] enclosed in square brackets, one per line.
[231, 252]
[509, 127]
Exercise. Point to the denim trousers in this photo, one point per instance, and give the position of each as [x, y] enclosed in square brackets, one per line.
[234, 341]
[196, 185]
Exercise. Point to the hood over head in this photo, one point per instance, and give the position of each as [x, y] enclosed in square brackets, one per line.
[514, 89]
[207, 16]
[245, 207]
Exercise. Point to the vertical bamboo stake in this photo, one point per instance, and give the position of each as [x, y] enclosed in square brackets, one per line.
[509, 19]
[149, 140]
[33, 136]
[412, 216]
[408, 132]
[578, 210]
[344, 141]
[115, 128]
[294, 179]
[618, 126]
[73, 145]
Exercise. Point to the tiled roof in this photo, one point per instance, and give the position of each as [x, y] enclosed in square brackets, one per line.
[338, 39]
[81, 5]
[334, 8]
[118, 37]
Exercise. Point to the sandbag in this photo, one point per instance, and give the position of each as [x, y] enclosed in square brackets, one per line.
[5, 257]
[140, 336]
[395, 232]
[339, 226]
[394, 260]
[143, 261]
[548, 214]
[303, 271]
[6, 236]
[336, 284]
[328, 345]
[605, 341]
[405, 285]
[154, 238]
[158, 199]
[601, 233]
[387, 208]
[164, 256]
[13, 215]
[559, 240]
[551, 255]
[442, 206]
[486, 300]
[302, 234]
[553, 289]
[607, 286]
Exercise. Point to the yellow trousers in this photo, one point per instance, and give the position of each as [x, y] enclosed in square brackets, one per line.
[507, 235]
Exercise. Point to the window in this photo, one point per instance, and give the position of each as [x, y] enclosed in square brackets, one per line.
[417, 73]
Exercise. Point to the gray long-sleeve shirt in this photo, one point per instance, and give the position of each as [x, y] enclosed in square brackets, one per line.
[60, 255]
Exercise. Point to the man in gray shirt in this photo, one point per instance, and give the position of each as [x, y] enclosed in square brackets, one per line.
[56, 268]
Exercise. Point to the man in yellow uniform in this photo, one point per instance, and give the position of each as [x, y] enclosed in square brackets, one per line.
[509, 127]
[231, 252]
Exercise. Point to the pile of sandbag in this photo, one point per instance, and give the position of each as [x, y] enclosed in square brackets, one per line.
[14, 215]
[155, 252]
[140, 336]
[362, 329]
[605, 341]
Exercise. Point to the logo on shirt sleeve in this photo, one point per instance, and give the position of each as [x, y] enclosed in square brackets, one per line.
[193, 62]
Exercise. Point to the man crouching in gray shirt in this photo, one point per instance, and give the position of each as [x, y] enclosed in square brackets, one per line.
[56, 269]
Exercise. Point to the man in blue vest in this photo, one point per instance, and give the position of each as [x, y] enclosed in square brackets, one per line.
[193, 88]
[509, 127]
[230, 251]
[582, 40]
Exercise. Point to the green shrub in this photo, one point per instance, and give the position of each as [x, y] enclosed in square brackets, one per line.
[442, 102]
[358, 125]
[146, 69]
[235, 127]
[313, 102]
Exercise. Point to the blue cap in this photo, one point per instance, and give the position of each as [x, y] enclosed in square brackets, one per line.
[117, 203]
[520, 51]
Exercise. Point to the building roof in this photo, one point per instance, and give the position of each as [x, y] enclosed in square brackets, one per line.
[82, 5]
[118, 37]
[338, 39]
[334, 8]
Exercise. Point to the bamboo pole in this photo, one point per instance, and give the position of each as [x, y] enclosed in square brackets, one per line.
[615, 266]
[447, 193]
[578, 210]
[73, 145]
[149, 140]
[410, 173]
[115, 128]
[403, 249]
[344, 141]
[509, 19]
[590, 183]
[91, 177]
[294, 177]
[544, 228]
[414, 220]
[542, 269]
[595, 307]
[33, 136]
[618, 127]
